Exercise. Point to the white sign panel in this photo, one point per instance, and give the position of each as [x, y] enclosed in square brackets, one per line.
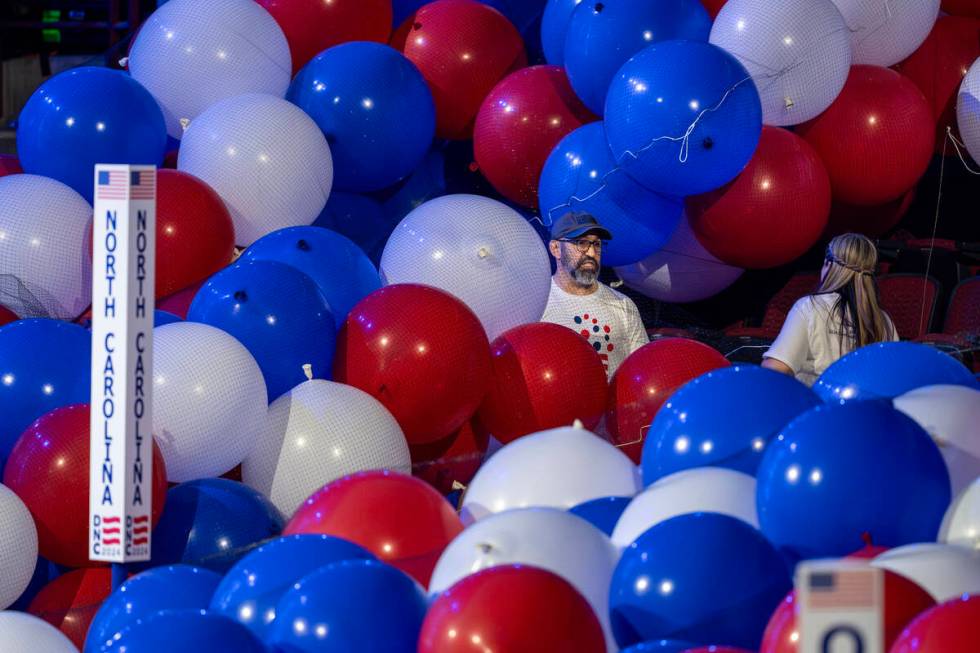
[121, 444]
[840, 605]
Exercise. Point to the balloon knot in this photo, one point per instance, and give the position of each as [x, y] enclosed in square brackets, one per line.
[240, 296]
[866, 538]
[302, 245]
[308, 371]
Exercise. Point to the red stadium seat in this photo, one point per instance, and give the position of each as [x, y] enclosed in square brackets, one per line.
[778, 307]
[963, 314]
[910, 300]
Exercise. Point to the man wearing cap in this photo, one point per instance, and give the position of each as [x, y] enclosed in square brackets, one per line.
[609, 320]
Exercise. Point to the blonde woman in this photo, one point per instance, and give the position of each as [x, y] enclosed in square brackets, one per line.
[842, 315]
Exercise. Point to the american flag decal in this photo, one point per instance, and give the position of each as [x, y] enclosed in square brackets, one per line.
[141, 530]
[121, 185]
[142, 184]
[111, 531]
[112, 185]
[842, 589]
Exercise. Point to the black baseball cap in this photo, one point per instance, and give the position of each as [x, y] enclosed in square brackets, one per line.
[578, 223]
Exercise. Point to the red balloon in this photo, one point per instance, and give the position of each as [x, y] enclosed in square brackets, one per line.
[713, 7]
[312, 26]
[903, 601]
[451, 460]
[398, 518]
[70, 601]
[462, 48]
[951, 626]
[7, 316]
[48, 469]
[519, 123]
[938, 68]
[511, 608]
[646, 379]
[9, 165]
[544, 376]
[962, 7]
[876, 138]
[179, 302]
[773, 212]
[419, 351]
[195, 236]
[872, 221]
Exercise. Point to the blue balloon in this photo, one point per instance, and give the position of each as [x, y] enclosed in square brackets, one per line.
[683, 117]
[602, 36]
[85, 116]
[176, 587]
[340, 269]
[375, 109]
[602, 513]
[185, 631]
[212, 523]
[44, 364]
[427, 181]
[704, 577]
[45, 571]
[724, 418]
[354, 605]
[278, 313]
[402, 9]
[886, 370]
[578, 175]
[554, 27]
[838, 472]
[660, 646]
[360, 218]
[252, 588]
[522, 13]
[164, 317]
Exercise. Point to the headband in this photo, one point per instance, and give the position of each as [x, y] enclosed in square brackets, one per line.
[853, 268]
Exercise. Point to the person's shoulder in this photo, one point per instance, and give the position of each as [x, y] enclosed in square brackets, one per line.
[816, 302]
[613, 295]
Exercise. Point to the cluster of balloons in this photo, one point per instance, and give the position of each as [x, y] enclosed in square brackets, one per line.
[383, 317]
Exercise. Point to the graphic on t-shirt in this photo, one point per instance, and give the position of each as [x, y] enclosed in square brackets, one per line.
[598, 335]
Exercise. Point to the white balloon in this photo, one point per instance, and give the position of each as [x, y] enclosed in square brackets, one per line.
[191, 54]
[209, 402]
[480, 250]
[945, 571]
[951, 415]
[968, 110]
[883, 32]
[18, 547]
[551, 539]
[267, 160]
[557, 468]
[682, 271]
[961, 525]
[45, 266]
[318, 432]
[24, 633]
[798, 53]
[704, 489]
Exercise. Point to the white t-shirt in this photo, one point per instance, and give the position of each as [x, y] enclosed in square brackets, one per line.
[609, 320]
[810, 338]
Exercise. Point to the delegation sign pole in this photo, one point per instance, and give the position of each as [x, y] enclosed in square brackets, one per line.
[121, 444]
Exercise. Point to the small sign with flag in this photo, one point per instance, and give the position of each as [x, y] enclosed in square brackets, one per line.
[121, 444]
[840, 604]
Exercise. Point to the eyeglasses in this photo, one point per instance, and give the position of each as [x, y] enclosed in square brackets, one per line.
[583, 244]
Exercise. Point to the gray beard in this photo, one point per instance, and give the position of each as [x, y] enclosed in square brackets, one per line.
[584, 278]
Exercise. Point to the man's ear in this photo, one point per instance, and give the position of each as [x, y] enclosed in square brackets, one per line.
[555, 248]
